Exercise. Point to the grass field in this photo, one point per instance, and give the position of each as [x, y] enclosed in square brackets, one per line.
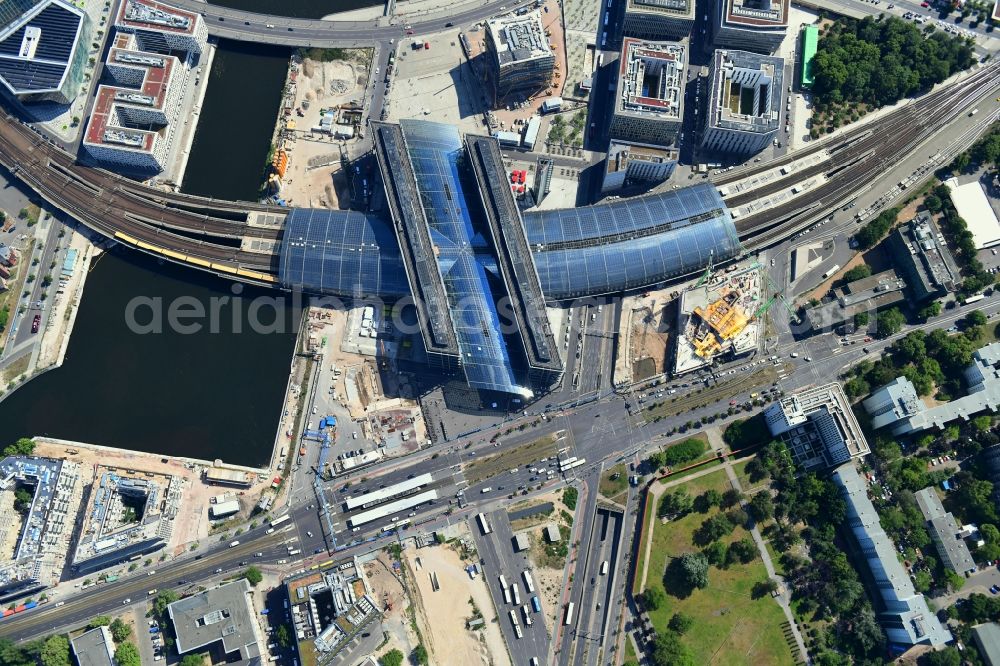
[730, 626]
[612, 488]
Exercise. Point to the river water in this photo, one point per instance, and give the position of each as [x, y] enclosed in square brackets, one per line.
[210, 394]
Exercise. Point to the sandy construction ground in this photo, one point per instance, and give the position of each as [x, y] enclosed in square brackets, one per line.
[447, 639]
[192, 521]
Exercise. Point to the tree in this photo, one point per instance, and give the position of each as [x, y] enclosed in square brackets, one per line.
[975, 318]
[764, 588]
[715, 553]
[12, 655]
[653, 598]
[713, 528]
[55, 651]
[284, 638]
[982, 423]
[193, 660]
[949, 656]
[954, 580]
[22, 500]
[25, 446]
[420, 655]
[119, 630]
[127, 654]
[859, 272]
[253, 575]
[931, 310]
[681, 623]
[99, 621]
[761, 506]
[163, 599]
[861, 320]
[933, 203]
[694, 567]
[889, 322]
[731, 498]
[743, 551]
[669, 651]
[675, 503]
[392, 658]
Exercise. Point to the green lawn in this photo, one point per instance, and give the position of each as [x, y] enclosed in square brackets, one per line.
[730, 627]
[612, 488]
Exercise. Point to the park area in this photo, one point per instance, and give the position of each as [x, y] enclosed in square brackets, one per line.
[727, 620]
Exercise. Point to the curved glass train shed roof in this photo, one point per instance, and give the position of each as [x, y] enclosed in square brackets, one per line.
[630, 243]
[342, 253]
[589, 251]
[462, 255]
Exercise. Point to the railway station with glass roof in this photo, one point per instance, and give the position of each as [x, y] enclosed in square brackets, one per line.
[460, 246]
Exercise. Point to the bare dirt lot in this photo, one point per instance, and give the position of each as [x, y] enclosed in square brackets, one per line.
[447, 639]
[388, 591]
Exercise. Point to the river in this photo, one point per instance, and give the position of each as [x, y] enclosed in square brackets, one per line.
[205, 395]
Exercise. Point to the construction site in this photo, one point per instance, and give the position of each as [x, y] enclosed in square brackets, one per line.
[720, 316]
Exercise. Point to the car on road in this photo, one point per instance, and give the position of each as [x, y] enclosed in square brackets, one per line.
[35, 323]
[309, 534]
[126, 601]
[994, 589]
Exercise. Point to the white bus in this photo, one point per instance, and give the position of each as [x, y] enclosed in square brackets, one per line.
[529, 584]
[516, 593]
[513, 618]
[483, 525]
[836, 267]
[527, 614]
[569, 614]
[279, 520]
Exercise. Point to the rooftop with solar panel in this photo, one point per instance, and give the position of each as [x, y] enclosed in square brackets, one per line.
[41, 57]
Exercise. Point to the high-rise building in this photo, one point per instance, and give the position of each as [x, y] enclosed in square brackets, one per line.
[903, 612]
[751, 25]
[43, 51]
[649, 100]
[659, 19]
[521, 59]
[818, 427]
[744, 102]
[161, 28]
[135, 113]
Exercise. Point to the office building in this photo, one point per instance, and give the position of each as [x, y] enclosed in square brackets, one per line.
[918, 249]
[897, 406]
[634, 163]
[221, 620]
[659, 19]
[987, 635]
[744, 102]
[866, 295]
[818, 427]
[945, 533]
[749, 25]
[161, 28]
[37, 538]
[43, 50]
[521, 59]
[136, 111]
[94, 648]
[902, 612]
[649, 100]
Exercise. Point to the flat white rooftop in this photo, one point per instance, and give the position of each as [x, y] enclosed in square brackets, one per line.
[973, 207]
